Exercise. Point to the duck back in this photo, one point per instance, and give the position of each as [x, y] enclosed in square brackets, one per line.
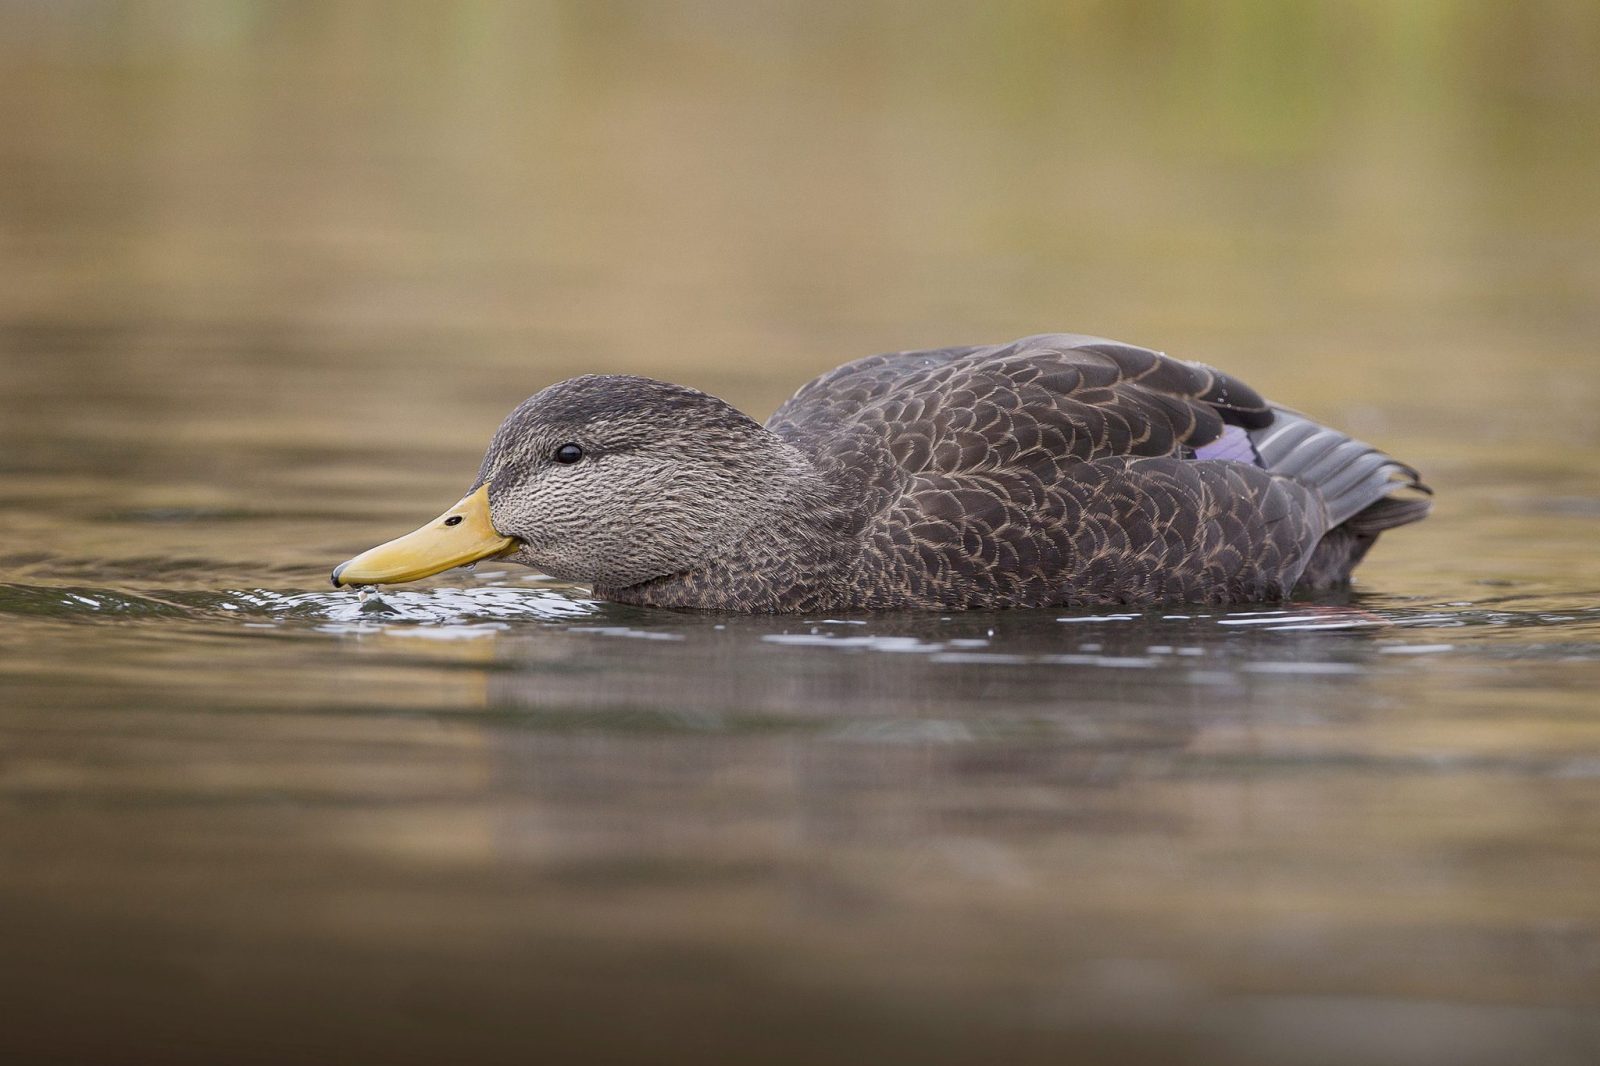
[1065, 469]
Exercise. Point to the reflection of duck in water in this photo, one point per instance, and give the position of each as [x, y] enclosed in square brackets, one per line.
[1056, 470]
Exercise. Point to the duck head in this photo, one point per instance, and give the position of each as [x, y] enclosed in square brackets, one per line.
[603, 480]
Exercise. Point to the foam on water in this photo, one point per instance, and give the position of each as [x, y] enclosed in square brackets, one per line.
[474, 610]
[338, 611]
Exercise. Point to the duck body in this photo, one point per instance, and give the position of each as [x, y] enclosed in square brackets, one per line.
[1059, 470]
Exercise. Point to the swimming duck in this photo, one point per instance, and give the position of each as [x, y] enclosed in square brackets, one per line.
[1058, 470]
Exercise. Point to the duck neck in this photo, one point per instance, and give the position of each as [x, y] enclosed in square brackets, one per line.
[786, 555]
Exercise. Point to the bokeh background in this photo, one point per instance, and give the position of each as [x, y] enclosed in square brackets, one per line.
[271, 273]
[1394, 202]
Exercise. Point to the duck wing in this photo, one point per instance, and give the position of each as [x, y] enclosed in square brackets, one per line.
[1105, 532]
[1064, 393]
[1035, 404]
[1059, 469]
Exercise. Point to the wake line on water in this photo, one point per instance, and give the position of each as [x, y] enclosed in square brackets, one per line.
[339, 611]
[1567, 629]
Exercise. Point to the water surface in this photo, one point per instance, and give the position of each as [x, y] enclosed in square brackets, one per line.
[273, 276]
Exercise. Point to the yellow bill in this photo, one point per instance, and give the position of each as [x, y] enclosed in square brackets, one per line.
[463, 534]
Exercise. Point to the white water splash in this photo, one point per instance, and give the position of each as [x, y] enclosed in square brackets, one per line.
[465, 611]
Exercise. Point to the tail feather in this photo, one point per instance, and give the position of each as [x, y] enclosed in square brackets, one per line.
[1356, 481]
[1389, 512]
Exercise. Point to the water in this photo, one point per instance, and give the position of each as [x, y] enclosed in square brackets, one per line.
[273, 277]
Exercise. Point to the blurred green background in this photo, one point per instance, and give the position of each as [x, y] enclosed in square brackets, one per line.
[1398, 196]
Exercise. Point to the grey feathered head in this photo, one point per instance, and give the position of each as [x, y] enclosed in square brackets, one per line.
[613, 480]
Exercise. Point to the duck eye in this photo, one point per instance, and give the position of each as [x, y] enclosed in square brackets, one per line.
[568, 453]
[453, 520]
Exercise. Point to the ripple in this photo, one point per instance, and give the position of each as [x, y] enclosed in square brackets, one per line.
[459, 608]
[885, 643]
[1323, 636]
[58, 601]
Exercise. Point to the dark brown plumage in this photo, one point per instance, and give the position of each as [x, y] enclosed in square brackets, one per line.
[1057, 470]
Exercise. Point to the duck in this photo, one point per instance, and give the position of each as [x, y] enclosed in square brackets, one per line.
[1059, 470]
